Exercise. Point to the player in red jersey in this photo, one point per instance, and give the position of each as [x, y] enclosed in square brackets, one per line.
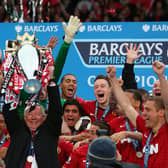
[154, 126]
[64, 150]
[99, 109]
[127, 138]
[78, 157]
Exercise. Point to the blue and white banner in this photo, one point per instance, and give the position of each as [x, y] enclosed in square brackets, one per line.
[97, 45]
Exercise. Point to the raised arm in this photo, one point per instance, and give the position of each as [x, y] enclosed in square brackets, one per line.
[54, 117]
[70, 30]
[159, 69]
[121, 97]
[128, 74]
[52, 42]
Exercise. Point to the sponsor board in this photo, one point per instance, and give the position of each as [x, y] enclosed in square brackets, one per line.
[97, 45]
[103, 52]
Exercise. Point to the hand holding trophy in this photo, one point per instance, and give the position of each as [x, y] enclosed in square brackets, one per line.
[25, 66]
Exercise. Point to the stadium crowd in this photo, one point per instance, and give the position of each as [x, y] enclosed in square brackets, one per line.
[86, 10]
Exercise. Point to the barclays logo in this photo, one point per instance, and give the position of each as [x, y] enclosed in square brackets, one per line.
[155, 28]
[41, 28]
[146, 27]
[18, 28]
[82, 28]
[36, 28]
[104, 28]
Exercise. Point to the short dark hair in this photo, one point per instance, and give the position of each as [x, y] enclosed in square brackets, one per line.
[158, 101]
[102, 77]
[136, 95]
[62, 79]
[144, 93]
[103, 125]
[74, 102]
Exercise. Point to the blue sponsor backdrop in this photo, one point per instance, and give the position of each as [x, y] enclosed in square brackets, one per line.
[98, 44]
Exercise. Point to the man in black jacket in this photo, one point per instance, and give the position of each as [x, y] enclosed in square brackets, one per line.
[34, 139]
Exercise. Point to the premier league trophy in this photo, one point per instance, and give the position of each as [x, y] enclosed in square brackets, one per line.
[25, 67]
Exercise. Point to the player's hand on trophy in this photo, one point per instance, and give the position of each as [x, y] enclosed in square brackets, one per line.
[52, 42]
[71, 28]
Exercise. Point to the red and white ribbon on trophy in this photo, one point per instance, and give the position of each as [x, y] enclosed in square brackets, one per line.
[13, 66]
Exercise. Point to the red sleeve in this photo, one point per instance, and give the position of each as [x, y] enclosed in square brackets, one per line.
[68, 147]
[72, 161]
[65, 150]
[85, 105]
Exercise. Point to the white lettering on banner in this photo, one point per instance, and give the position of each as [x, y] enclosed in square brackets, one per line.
[156, 46]
[161, 28]
[121, 60]
[104, 28]
[101, 53]
[91, 80]
[153, 149]
[41, 28]
[143, 81]
[116, 49]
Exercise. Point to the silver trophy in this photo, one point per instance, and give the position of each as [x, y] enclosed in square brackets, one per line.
[28, 60]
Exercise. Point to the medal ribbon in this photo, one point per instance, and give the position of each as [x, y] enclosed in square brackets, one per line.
[147, 151]
[31, 150]
[147, 148]
[106, 111]
[2, 140]
[134, 142]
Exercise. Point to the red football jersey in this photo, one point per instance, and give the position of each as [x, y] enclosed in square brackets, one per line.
[125, 146]
[64, 150]
[77, 158]
[158, 144]
[90, 107]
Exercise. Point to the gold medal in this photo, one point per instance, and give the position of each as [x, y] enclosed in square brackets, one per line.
[139, 154]
[29, 158]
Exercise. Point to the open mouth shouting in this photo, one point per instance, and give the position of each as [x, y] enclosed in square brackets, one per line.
[100, 97]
